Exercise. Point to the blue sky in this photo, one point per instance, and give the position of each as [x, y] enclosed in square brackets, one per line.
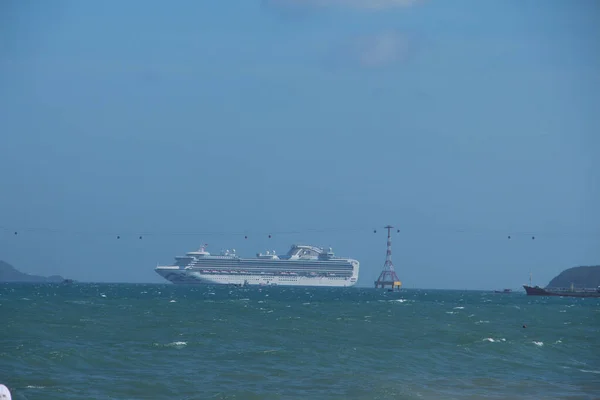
[460, 122]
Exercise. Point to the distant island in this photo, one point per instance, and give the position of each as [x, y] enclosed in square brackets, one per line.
[579, 277]
[8, 273]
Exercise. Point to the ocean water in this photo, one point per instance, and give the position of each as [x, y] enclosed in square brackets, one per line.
[124, 341]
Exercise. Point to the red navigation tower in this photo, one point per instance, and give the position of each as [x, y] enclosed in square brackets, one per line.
[388, 276]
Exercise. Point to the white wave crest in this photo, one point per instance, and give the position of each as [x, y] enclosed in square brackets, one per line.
[177, 345]
[492, 340]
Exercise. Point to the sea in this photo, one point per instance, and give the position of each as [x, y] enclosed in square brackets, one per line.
[155, 341]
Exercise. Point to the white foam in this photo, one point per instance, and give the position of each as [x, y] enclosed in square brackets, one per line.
[492, 340]
[178, 345]
[172, 301]
[590, 371]
[79, 302]
[540, 344]
[459, 308]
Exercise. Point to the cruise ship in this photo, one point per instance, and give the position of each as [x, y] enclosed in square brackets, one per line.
[303, 265]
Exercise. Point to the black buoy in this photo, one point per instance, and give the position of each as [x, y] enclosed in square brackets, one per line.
[509, 237]
[245, 236]
[118, 237]
[140, 237]
[269, 236]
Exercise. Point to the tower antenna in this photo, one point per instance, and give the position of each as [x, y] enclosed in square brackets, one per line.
[388, 276]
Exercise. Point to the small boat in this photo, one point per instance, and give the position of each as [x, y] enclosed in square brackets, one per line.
[505, 291]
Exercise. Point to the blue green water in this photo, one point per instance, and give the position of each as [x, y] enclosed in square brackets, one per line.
[120, 341]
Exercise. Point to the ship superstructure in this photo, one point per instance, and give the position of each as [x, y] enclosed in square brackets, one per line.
[303, 265]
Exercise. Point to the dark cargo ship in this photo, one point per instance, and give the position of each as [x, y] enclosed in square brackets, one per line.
[565, 292]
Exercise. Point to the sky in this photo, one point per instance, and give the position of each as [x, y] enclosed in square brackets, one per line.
[318, 121]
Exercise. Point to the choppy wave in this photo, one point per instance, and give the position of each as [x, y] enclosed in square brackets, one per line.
[286, 343]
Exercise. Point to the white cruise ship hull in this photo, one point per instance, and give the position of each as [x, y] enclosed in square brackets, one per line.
[303, 265]
[183, 276]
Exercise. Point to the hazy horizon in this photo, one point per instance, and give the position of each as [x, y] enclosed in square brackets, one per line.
[317, 122]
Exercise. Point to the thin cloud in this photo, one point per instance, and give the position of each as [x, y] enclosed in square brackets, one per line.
[378, 50]
[357, 4]
[381, 49]
[375, 50]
